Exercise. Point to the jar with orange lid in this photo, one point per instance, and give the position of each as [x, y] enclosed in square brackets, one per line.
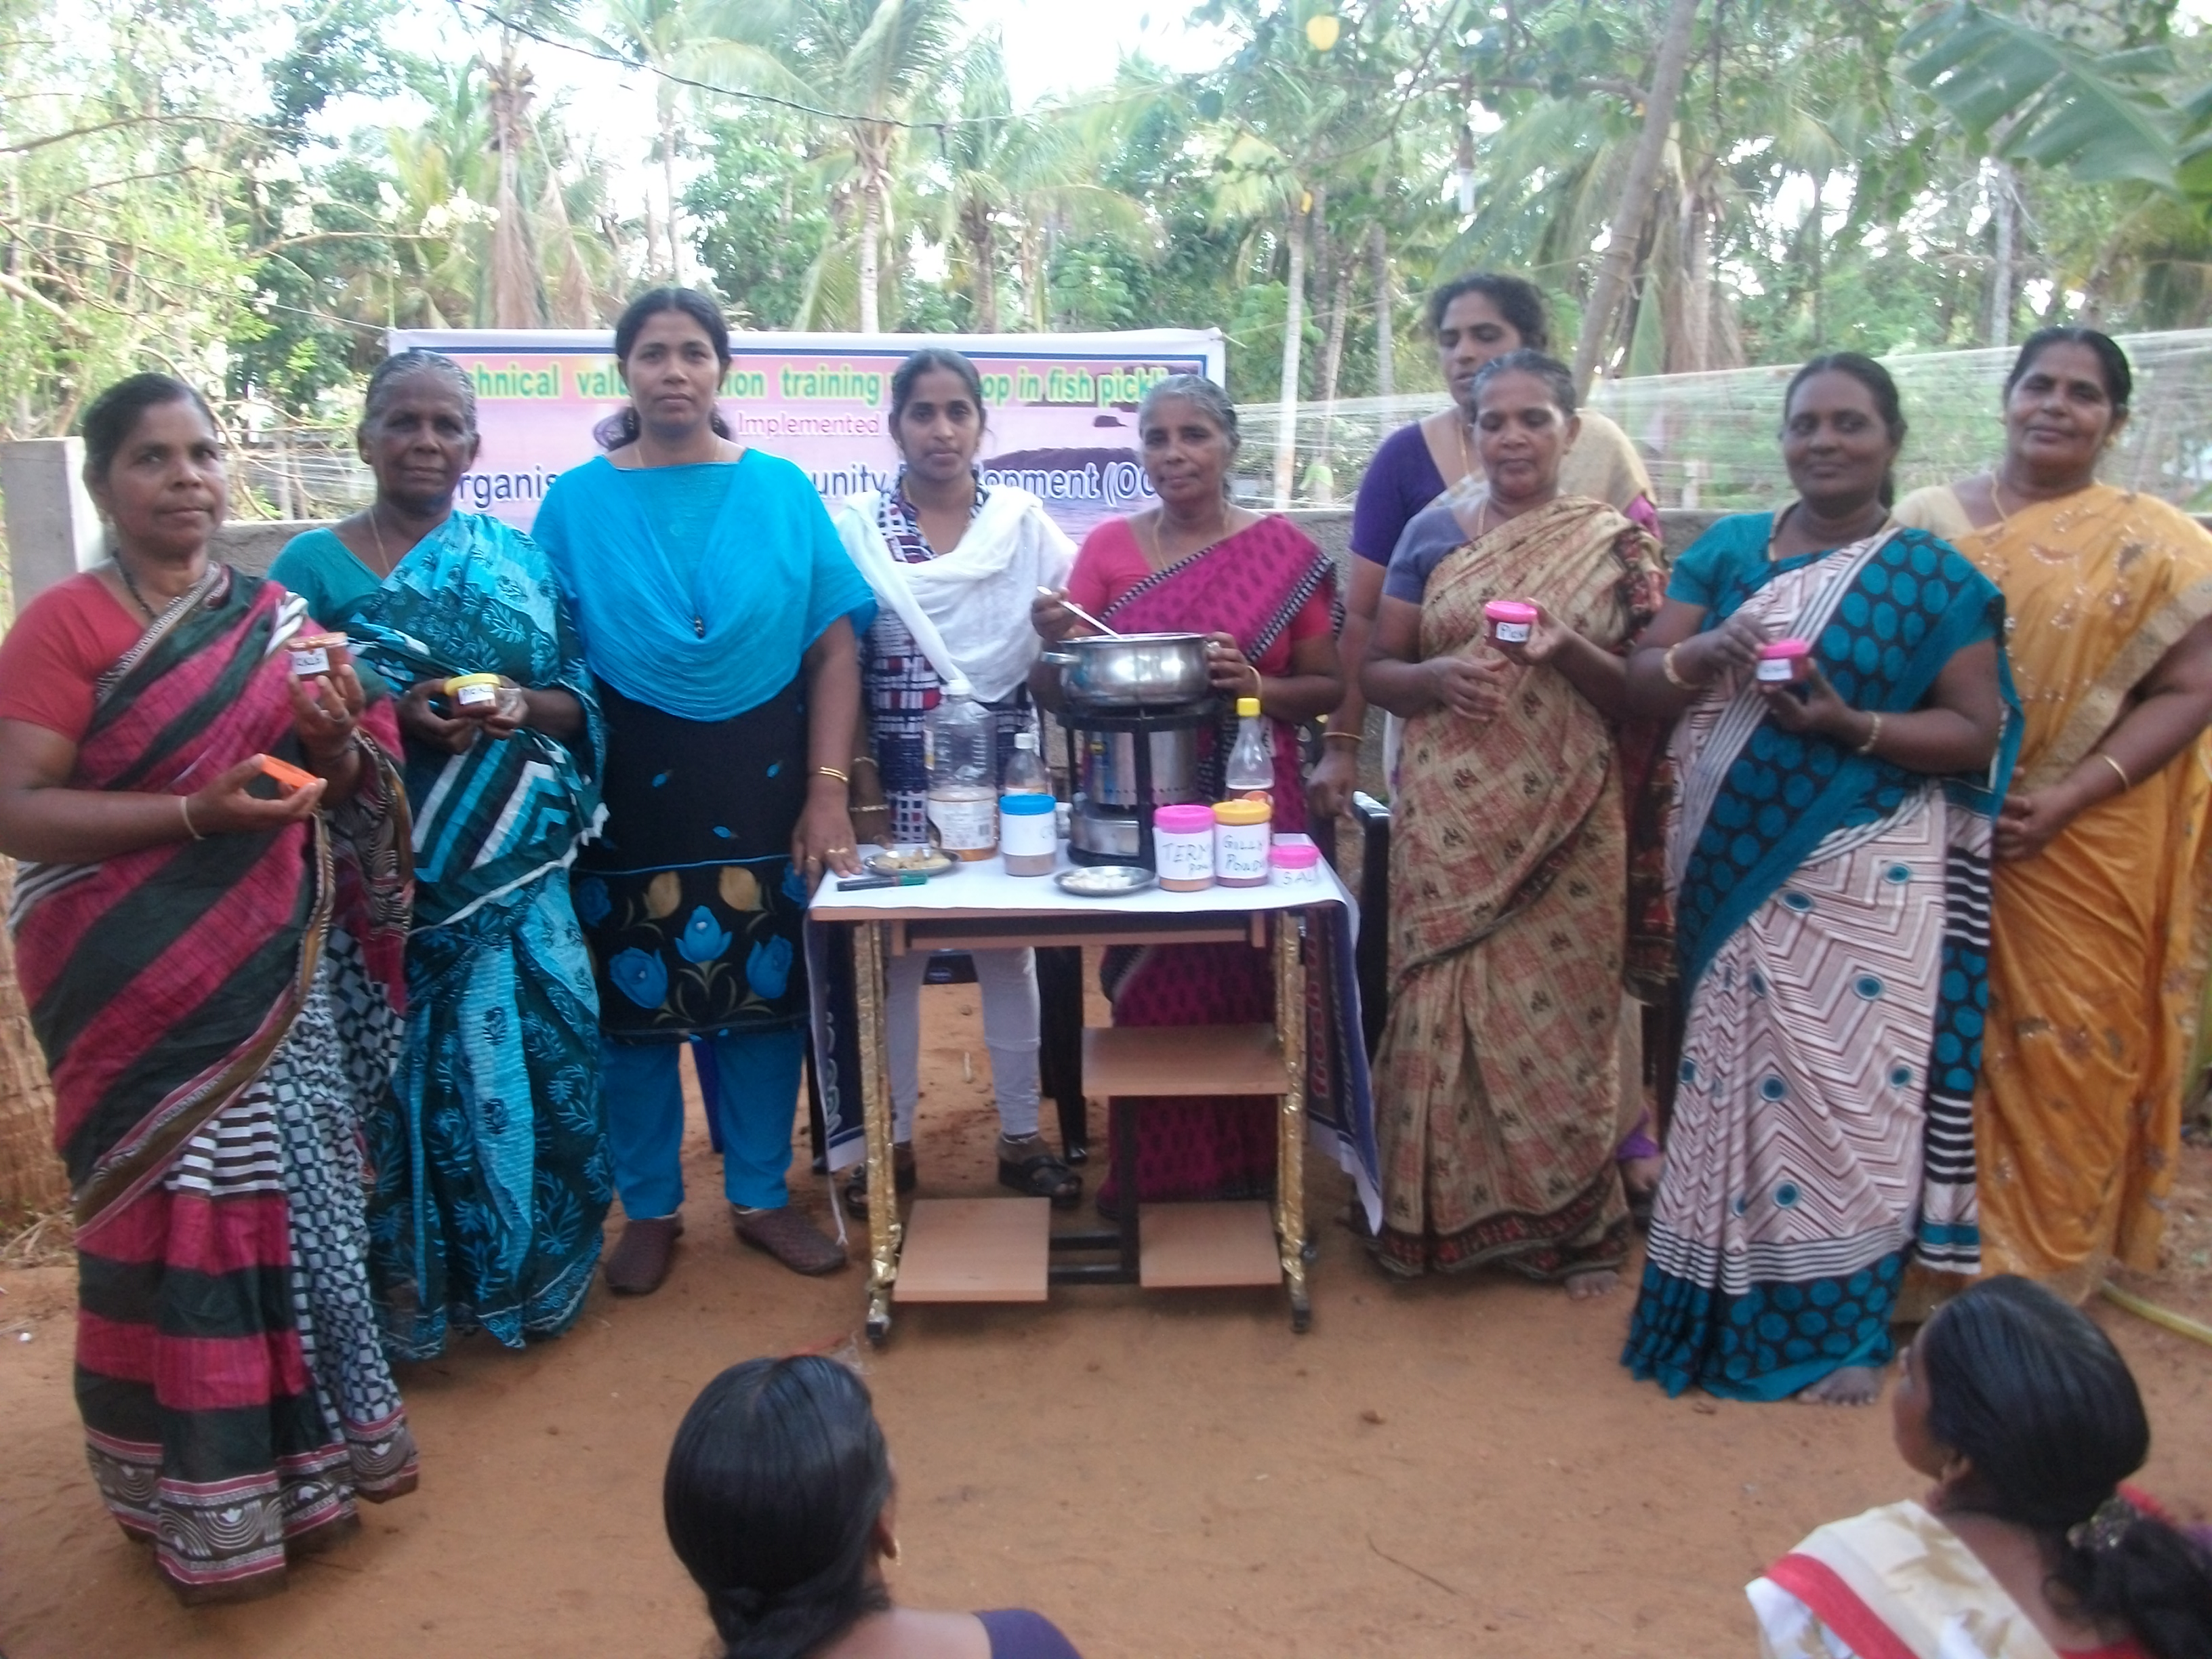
[1243, 831]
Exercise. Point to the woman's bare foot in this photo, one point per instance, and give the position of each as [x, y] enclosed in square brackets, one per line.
[1847, 1385]
[1582, 1287]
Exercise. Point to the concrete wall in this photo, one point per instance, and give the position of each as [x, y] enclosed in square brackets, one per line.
[52, 529]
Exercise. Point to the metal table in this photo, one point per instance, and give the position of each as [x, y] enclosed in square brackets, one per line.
[981, 908]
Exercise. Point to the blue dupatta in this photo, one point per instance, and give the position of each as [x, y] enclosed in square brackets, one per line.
[475, 597]
[773, 575]
[1895, 612]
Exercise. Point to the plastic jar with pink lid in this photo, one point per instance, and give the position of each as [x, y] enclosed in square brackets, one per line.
[1294, 861]
[1785, 662]
[1511, 621]
[1182, 847]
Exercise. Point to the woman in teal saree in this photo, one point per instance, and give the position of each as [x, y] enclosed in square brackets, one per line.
[492, 1178]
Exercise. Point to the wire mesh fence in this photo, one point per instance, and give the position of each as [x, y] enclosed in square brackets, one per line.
[1709, 440]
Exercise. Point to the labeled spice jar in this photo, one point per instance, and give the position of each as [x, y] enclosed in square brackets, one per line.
[316, 653]
[1182, 847]
[473, 691]
[1510, 621]
[1241, 839]
[1785, 662]
[1295, 861]
[1025, 834]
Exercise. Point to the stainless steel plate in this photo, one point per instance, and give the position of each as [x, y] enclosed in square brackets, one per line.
[1105, 880]
[909, 861]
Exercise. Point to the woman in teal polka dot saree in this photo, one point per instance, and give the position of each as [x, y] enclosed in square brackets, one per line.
[1829, 858]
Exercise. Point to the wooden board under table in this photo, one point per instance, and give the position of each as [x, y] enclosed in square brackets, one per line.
[976, 1250]
[1129, 1061]
[1195, 1246]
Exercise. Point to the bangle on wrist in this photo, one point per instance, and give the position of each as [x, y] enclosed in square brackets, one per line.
[185, 810]
[832, 772]
[1674, 674]
[1352, 737]
[2126, 782]
[1873, 736]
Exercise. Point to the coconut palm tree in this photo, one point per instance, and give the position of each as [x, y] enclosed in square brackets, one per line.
[870, 63]
[1004, 171]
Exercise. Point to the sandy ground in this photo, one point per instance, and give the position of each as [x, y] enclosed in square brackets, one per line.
[1457, 1469]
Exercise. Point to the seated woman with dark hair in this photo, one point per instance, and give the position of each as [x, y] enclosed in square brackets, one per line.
[2027, 1548]
[778, 1502]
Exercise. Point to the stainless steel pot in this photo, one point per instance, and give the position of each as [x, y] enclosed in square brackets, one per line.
[1131, 671]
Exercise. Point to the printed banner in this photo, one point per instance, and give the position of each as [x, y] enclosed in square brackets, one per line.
[1061, 408]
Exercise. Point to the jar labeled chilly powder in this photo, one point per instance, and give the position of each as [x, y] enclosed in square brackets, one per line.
[1241, 838]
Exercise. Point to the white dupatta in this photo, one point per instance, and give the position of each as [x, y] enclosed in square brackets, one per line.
[968, 610]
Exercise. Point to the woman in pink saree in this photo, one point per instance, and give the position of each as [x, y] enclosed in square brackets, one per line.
[1265, 596]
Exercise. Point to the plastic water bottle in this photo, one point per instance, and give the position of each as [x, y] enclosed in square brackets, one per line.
[960, 744]
[1025, 773]
[1251, 773]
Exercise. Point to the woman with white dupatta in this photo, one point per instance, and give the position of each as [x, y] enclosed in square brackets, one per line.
[955, 566]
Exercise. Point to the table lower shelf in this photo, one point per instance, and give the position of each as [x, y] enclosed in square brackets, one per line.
[999, 1250]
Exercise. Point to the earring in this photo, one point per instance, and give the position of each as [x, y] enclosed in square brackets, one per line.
[892, 1554]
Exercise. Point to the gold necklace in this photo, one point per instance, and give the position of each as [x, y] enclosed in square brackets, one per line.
[1774, 531]
[383, 556]
[1997, 501]
[1461, 425]
[1159, 554]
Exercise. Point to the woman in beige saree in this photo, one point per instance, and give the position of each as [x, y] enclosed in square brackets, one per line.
[1495, 1083]
[2099, 908]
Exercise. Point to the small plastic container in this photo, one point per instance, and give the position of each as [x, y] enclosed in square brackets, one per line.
[1182, 847]
[1240, 842]
[1785, 662]
[1510, 621]
[1294, 861]
[473, 691]
[1026, 841]
[316, 653]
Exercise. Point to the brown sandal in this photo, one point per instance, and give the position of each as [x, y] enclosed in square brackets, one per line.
[639, 1261]
[791, 1238]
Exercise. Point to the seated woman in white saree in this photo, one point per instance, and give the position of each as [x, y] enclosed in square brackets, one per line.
[2027, 1546]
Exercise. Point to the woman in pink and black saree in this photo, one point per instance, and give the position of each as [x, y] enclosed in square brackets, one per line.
[208, 925]
[1265, 596]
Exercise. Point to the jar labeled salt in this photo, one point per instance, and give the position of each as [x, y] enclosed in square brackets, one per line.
[1295, 863]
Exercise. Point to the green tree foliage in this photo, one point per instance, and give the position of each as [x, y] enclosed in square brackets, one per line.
[252, 190]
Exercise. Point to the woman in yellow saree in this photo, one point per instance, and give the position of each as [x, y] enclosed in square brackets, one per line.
[1495, 1085]
[2098, 909]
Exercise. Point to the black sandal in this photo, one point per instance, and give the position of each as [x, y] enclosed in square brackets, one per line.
[1042, 1174]
[903, 1177]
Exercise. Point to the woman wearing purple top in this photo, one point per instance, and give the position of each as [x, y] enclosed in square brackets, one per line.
[779, 1501]
[1424, 487]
